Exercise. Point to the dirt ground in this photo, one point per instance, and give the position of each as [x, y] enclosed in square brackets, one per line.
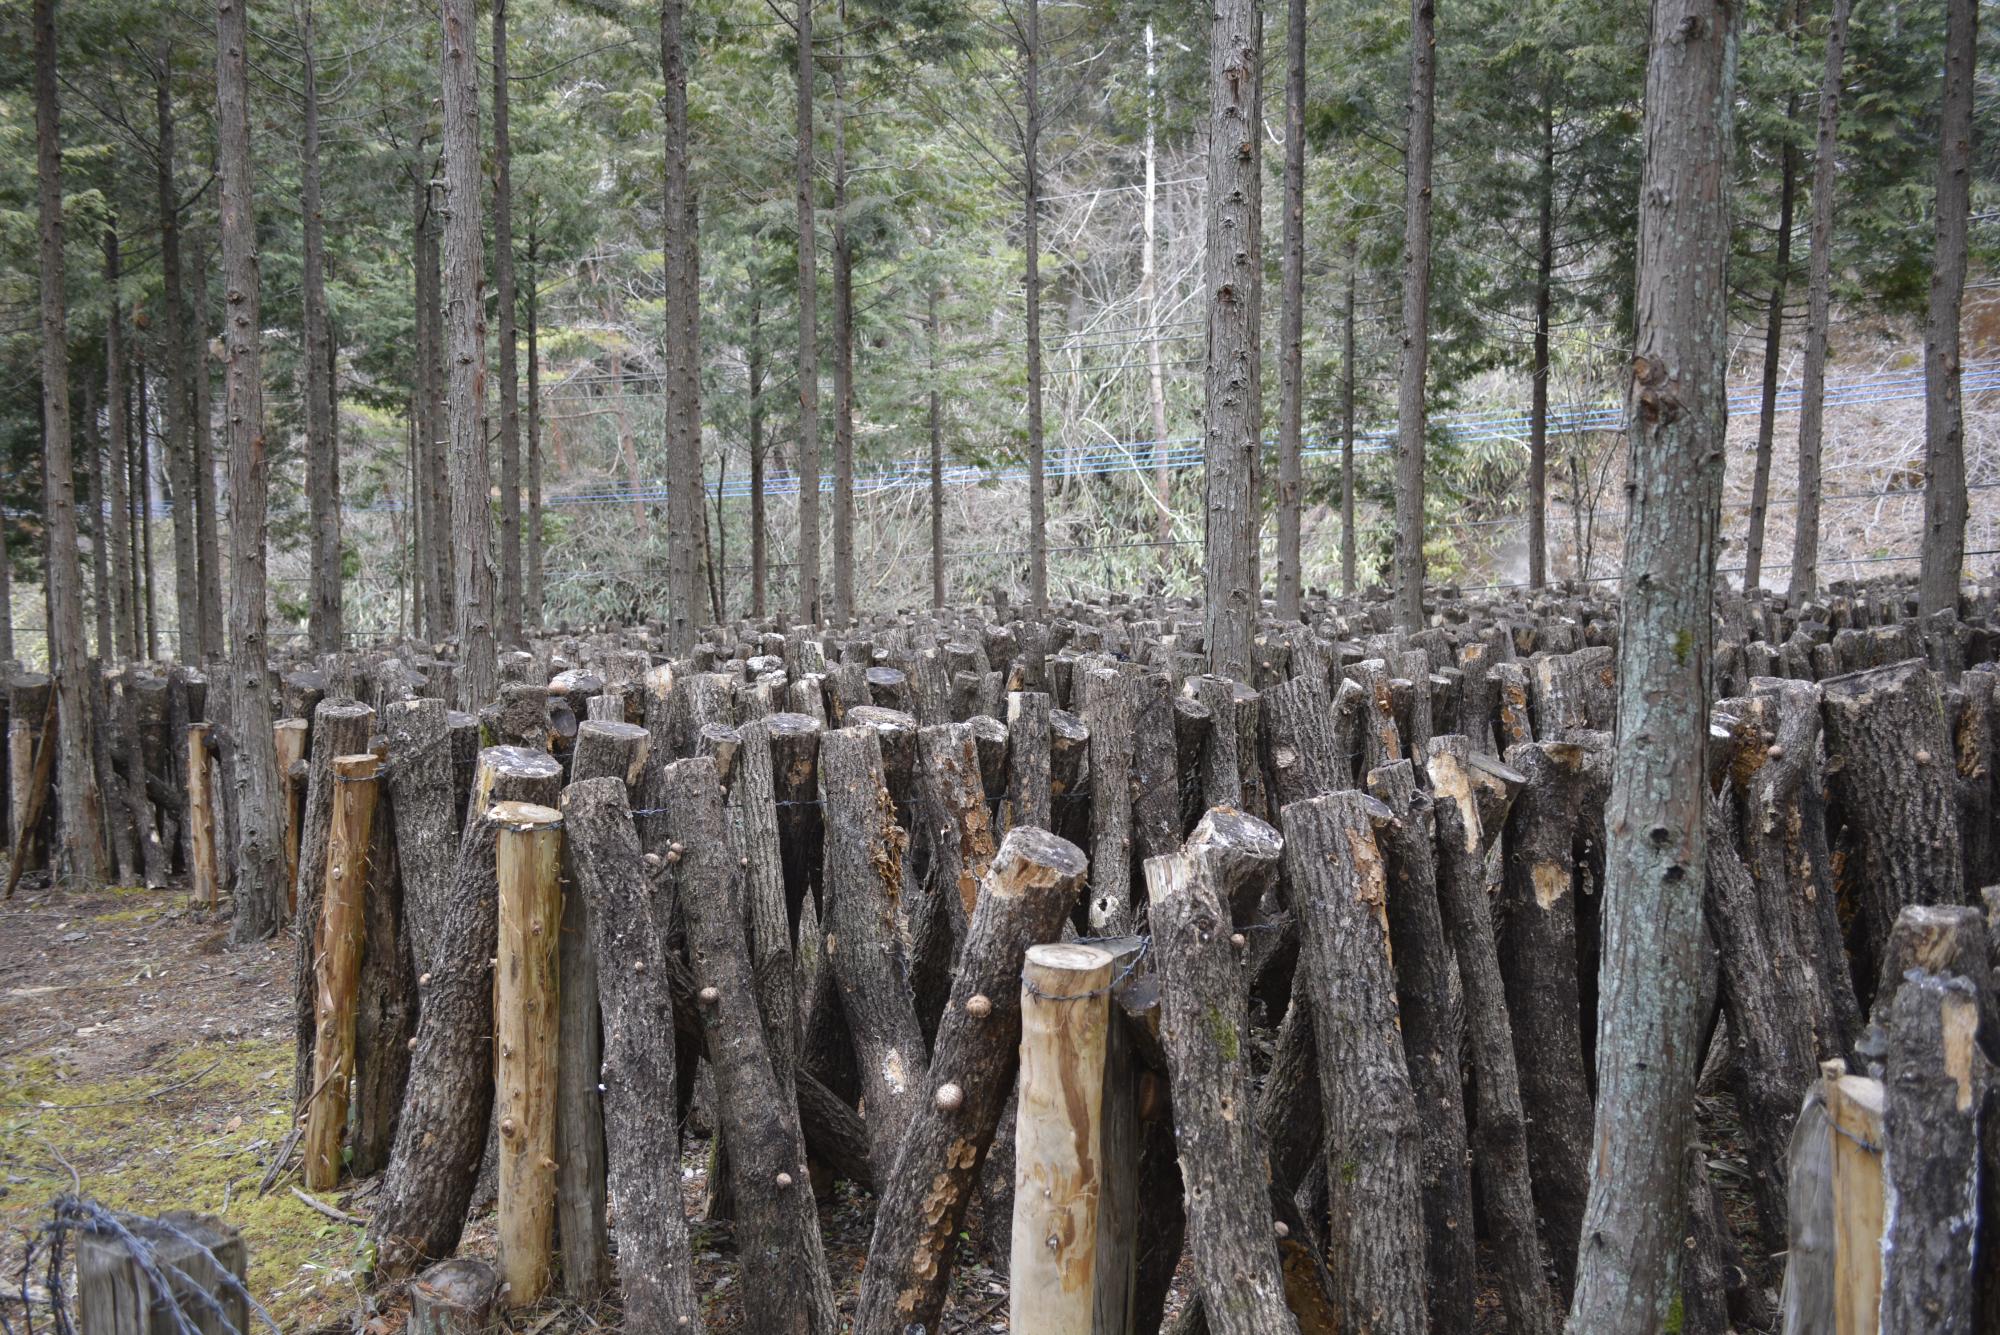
[142, 1053]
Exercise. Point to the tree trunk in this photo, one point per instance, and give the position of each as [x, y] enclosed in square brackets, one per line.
[1944, 425]
[1411, 408]
[759, 555]
[1149, 292]
[1291, 316]
[80, 816]
[208, 513]
[1347, 422]
[1774, 335]
[1655, 943]
[843, 341]
[322, 458]
[504, 308]
[532, 608]
[936, 425]
[465, 402]
[142, 523]
[1022, 900]
[124, 643]
[1819, 287]
[808, 553]
[1538, 406]
[259, 862]
[683, 350]
[1031, 231]
[642, 1139]
[340, 728]
[1233, 416]
[101, 518]
[180, 461]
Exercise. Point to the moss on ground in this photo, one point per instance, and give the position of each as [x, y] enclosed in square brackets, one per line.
[193, 1131]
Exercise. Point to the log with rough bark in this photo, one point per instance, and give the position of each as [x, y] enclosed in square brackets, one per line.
[454, 1298]
[1427, 992]
[1935, 1093]
[422, 806]
[338, 971]
[1022, 899]
[610, 748]
[1155, 770]
[1889, 767]
[387, 1016]
[1065, 1006]
[1465, 829]
[1028, 760]
[1339, 890]
[441, 1135]
[795, 740]
[785, 1282]
[528, 872]
[1107, 712]
[340, 728]
[864, 868]
[772, 959]
[1301, 753]
[1221, 770]
[951, 819]
[642, 1138]
[1538, 952]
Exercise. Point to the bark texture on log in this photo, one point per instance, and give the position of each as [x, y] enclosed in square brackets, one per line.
[1022, 899]
[340, 728]
[642, 1137]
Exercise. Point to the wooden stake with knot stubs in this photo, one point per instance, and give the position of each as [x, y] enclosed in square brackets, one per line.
[338, 973]
[527, 859]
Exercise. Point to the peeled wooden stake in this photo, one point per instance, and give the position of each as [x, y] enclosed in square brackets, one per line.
[527, 856]
[338, 971]
[201, 817]
[289, 736]
[1065, 1007]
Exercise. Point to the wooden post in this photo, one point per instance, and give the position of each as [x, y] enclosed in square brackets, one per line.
[527, 863]
[289, 736]
[1065, 1006]
[338, 971]
[201, 816]
[198, 1253]
[1854, 1115]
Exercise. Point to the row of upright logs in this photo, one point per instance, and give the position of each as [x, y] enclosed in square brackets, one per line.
[1050, 939]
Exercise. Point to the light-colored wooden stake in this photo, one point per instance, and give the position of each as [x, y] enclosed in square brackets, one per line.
[201, 817]
[527, 862]
[337, 972]
[1065, 1006]
[1854, 1115]
[289, 736]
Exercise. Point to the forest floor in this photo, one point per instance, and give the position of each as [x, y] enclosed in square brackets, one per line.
[144, 1055]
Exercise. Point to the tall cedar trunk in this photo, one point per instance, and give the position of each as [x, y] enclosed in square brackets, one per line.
[113, 521]
[1944, 423]
[434, 521]
[843, 341]
[436, 471]
[532, 606]
[465, 403]
[93, 505]
[1538, 405]
[208, 541]
[142, 537]
[510, 375]
[1149, 292]
[422, 595]
[759, 555]
[322, 459]
[6, 598]
[1819, 288]
[180, 461]
[79, 811]
[936, 425]
[1031, 231]
[1411, 416]
[259, 864]
[1291, 314]
[1655, 943]
[1347, 422]
[1233, 417]
[683, 352]
[1774, 334]
[808, 555]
